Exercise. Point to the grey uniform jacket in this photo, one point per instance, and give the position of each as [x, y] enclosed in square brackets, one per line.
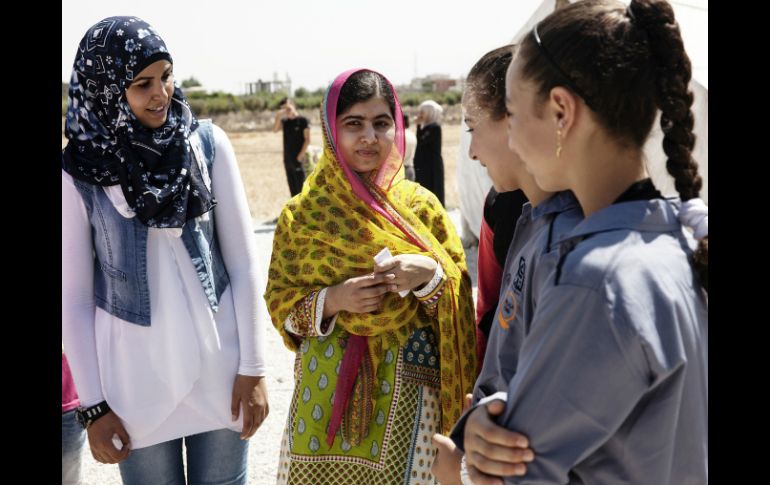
[611, 385]
[526, 269]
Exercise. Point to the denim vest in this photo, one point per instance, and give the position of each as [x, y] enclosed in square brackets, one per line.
[120, 247]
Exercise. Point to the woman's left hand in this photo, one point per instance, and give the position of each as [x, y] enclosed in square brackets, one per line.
[249, 394]
[410, 270]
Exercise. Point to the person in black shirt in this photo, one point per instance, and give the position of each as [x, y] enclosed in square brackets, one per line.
[296, 138]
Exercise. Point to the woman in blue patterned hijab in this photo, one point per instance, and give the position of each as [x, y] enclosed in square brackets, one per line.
[121, 133]
[161, 315]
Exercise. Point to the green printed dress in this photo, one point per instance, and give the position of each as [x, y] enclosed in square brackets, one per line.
[397, 448]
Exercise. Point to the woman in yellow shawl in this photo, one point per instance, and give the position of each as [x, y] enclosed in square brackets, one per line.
[376, 373]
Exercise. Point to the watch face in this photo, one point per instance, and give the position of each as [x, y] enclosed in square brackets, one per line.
[80, 416]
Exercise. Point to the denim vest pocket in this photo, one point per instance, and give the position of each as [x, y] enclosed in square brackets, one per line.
[113, 272]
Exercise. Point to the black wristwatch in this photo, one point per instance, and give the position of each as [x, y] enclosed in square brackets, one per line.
[86, 416]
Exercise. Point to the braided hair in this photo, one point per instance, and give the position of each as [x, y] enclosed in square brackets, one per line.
[625, 63]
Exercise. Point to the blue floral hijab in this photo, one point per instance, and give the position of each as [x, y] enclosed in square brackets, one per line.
[109, 146]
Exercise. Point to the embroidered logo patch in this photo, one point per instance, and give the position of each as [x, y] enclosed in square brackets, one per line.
[518, 281]
[508, 308]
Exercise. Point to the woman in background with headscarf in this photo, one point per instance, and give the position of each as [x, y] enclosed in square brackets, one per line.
[428, 163]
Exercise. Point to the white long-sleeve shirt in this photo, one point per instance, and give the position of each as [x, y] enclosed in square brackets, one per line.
[175, 377]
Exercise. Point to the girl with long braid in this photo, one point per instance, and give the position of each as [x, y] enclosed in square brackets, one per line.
[611, 384]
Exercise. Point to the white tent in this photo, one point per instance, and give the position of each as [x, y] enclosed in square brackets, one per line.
[692, 16]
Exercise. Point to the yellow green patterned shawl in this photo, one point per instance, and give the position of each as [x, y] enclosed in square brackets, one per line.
[328, 233]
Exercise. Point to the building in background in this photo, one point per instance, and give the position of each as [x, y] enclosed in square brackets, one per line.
[274, 86]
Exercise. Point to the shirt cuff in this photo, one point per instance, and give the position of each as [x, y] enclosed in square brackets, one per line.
[252, 370]
[91, 401]
[306, 320]
[432, 286]
[498, 396]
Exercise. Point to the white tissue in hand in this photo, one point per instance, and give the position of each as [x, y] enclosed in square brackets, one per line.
[382, 256]
[116, 441]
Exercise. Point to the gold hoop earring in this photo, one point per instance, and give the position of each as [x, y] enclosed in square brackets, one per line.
[558, 143]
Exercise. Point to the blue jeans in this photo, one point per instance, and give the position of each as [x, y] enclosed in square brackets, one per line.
[213, 458]
[73, 437]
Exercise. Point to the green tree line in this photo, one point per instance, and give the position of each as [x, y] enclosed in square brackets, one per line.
[207, 104]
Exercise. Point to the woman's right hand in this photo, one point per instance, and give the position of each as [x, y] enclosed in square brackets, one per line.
[362, 294]
[100, 435]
